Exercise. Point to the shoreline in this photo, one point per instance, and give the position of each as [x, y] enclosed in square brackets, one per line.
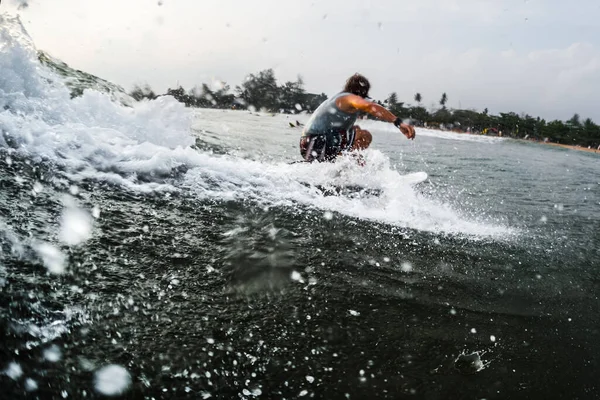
[565, 146]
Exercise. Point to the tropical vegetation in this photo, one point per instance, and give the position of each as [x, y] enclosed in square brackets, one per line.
[261, 91]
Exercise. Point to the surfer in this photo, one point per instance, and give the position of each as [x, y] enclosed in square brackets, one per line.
[331, 130]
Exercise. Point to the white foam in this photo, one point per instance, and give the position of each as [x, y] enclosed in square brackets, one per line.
[76, 226]
[52, 257]
[92, 131]
[459, 136]
[17, 246]
[283, 184]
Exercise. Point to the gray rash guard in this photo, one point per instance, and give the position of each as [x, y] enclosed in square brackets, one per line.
[328, 119]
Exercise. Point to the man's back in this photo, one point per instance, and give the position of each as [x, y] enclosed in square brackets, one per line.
[328, 118]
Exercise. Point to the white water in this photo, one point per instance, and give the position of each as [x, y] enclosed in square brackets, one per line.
[94, 137]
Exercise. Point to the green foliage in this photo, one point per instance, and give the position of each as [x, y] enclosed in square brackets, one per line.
[418, 115]
[396, 107]
[261, 91]
[142, 92]
[292, 97]
[509, 124]
[392, 99]
[258, 91]
[443, 100]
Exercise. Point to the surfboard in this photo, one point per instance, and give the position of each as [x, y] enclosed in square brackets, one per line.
[346, 190]
[414, 178]
[359, 191]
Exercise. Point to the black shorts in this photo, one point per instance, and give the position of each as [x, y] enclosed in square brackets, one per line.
[326, 147]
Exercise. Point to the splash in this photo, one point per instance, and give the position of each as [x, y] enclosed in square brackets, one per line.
[91, 132]
[471, 363]
[281, 184]
[94, 137]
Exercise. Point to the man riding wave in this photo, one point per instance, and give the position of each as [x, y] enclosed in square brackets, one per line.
[331, 130]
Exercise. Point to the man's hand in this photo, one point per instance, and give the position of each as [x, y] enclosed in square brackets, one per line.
[407, 130]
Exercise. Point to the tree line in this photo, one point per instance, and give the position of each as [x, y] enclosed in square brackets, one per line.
[574, 131]
[260, 91]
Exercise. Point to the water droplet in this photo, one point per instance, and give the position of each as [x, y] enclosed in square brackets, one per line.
[76, 226]
[14, 371]
[52, 353]
[112, 380]
[53, 258]
[406, 267]
[30, 385]
[296, 277]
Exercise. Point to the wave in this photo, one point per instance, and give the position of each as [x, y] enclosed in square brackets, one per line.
[96, 136]
[91, 131]
[281, 184]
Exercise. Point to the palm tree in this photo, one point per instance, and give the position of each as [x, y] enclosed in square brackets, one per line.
[443, 100]
[392, 99]
[418, 98]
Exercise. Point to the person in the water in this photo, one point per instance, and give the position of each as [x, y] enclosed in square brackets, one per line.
[331, 130]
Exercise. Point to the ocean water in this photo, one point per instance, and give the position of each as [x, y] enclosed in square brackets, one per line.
[156, 252]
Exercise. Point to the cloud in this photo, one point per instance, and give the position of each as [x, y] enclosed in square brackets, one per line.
[553, 83]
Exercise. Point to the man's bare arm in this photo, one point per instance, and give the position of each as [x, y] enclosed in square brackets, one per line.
[353, 103]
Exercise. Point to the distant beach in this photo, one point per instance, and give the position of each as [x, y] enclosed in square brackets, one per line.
[567, 146]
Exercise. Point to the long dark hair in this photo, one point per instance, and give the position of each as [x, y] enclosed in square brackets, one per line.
[358, 85]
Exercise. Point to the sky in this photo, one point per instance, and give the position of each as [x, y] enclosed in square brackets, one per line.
[540, 57]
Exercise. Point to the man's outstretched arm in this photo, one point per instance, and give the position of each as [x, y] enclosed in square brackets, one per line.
[352, 102]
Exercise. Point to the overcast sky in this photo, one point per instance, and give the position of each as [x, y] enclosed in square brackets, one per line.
[536, 56]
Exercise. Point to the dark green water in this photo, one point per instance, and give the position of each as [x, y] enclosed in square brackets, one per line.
[237, 284]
